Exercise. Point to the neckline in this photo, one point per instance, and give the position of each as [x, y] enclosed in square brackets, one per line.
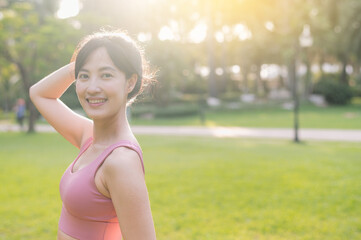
[89, 142]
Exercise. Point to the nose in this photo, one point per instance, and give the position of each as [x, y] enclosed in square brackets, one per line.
[93, 87]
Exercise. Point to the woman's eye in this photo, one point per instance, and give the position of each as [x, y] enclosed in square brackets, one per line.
[83, 76]
[107, 75]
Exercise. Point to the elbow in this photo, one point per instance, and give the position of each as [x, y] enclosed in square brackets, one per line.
[32, 93]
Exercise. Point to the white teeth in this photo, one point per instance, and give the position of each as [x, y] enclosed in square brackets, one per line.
[93, 101]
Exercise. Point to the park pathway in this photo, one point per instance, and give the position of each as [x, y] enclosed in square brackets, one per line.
[229, 132]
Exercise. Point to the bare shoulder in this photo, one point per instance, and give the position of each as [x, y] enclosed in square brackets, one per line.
[123, 161]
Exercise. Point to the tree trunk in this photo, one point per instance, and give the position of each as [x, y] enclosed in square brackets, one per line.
[210, 43]
[281, 83]
[344, 77]
[25, 77]
[292, 75]
[7, 102]
[265, 87]
[308, 79]
[212, 78]
[321, 62]
[356, 69]
[33, 115]
[258, 81]
[245, 80]
[225, 79]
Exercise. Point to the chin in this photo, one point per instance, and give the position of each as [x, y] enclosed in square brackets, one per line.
[102, 116]
[96, 117]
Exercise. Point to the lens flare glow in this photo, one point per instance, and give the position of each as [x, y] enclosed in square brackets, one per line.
[198, 33]
[68, 8]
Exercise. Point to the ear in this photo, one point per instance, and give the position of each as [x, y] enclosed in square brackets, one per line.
[131, 82]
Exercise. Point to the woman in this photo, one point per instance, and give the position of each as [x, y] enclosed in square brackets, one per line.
[103, 191]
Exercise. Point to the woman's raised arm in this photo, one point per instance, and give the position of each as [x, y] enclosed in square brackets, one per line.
[45, 95]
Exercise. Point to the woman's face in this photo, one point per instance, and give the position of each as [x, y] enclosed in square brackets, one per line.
[101, 87]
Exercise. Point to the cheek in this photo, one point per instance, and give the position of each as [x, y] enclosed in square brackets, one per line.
[119, 89]
[79, 89]
[80, 93]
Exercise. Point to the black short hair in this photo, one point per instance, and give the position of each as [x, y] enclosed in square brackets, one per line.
[126, 55]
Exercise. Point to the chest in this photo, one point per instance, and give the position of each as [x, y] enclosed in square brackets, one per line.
[82, 188]
[87, 158]
[82, 197]
[90, 160]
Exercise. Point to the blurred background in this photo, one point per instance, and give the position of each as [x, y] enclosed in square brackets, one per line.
[211, 55]
[221, 63]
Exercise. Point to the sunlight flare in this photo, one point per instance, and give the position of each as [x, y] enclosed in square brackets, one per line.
[68, 8]
[199, 33]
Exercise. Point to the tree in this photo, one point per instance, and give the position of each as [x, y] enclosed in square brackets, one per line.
[8, 85]
[35, 45]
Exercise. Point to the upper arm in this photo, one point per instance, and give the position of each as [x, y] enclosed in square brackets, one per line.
[72, 126]
[124, 179]
[45, 95]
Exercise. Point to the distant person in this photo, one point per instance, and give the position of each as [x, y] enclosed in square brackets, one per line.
[103, 191]
[20, 110]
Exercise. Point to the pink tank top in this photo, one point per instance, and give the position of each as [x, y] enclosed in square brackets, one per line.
[86, 213]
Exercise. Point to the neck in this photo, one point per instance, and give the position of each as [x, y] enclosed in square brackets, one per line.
[109, 131]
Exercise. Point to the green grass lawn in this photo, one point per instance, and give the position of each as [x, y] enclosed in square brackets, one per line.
[267, 115]
[200, 188]
[345, 117]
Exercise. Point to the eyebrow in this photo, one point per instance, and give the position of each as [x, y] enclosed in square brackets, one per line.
[107, 68]
[83, 70]
[100, 69]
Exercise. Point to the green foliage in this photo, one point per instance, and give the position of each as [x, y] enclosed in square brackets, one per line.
[176, 70]
[70, 98]
[356, 91]
[193, 85]
[230, 96]
[200, 188]
[9, 86]
[339, 117]
[142, 110]
[179, 110]
[334, 92]
[356, 86]
[171, 111]
[35, 42]
[42, 43]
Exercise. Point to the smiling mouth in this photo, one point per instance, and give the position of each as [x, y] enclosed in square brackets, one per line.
[96, 101]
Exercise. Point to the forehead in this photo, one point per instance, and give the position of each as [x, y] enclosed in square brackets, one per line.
[98, 58]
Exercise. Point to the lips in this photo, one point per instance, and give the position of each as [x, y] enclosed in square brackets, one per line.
[96, 101]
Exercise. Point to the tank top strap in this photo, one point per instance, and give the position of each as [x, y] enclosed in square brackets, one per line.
[122, 143]
[87, 143]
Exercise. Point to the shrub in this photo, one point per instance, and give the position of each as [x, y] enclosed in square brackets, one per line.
[334, 92]
[230, 96]
[139, 110]
[172, 110]
[356, 86]
[179, 110]
[356, 91]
